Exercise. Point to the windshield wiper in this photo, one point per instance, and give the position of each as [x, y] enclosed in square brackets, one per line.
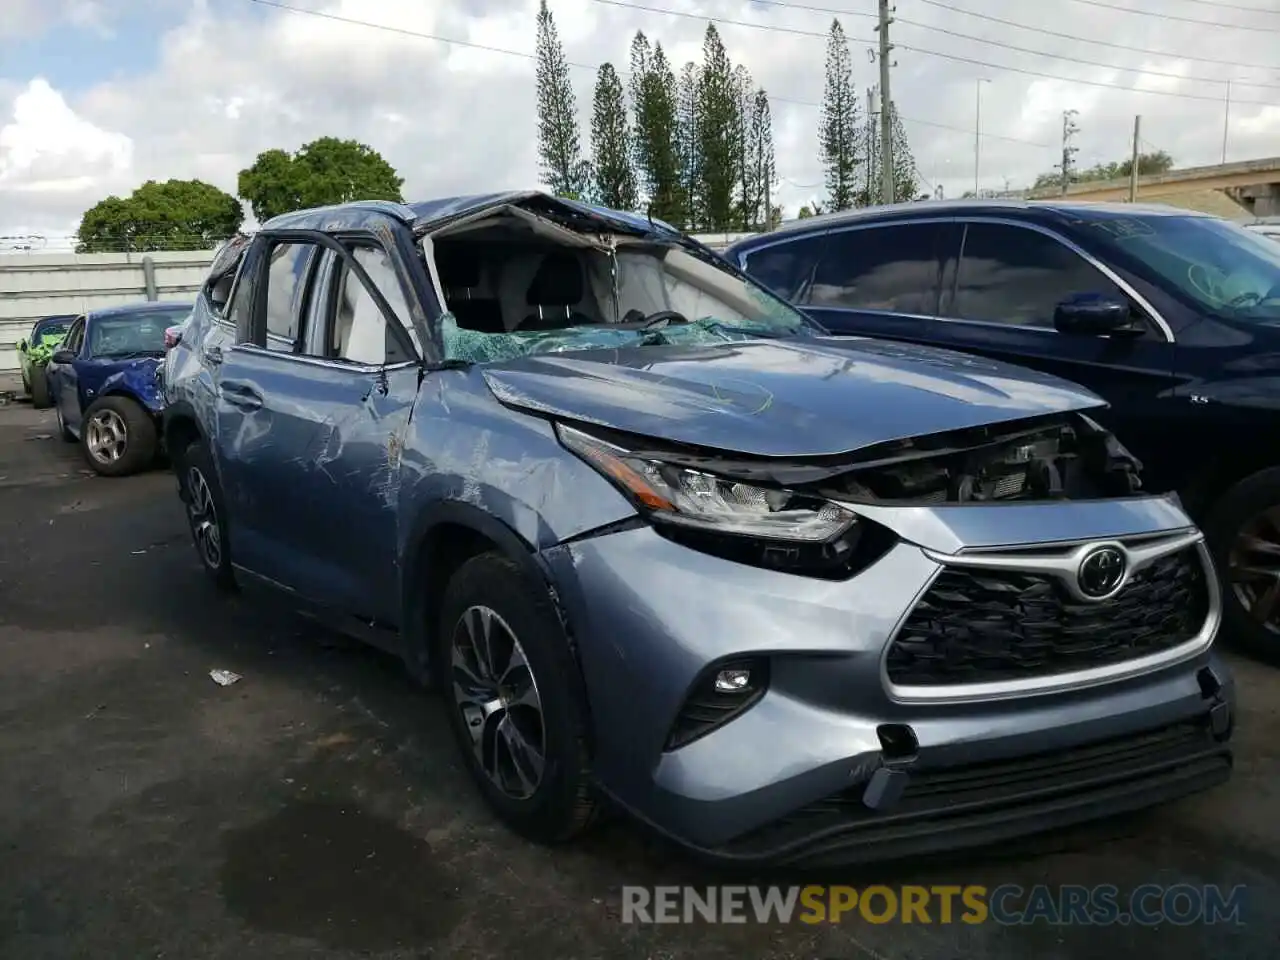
[128, 354]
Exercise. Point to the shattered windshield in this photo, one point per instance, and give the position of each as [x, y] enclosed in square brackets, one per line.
[508, 301]
[1224, 268]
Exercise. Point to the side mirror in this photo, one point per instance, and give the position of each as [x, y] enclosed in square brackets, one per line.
[1093, 314]
[22, 346]
[62, 356]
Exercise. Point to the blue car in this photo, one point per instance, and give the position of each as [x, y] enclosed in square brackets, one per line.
[102, 382]
[661, 543]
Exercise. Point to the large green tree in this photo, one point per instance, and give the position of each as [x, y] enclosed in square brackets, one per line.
[615, 177]
[173, 215]
[559, 144]
[653, 104]
[323, 172]
[719, 110]
[840, 131]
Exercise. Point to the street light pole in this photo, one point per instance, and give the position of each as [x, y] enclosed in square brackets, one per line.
[977, 132]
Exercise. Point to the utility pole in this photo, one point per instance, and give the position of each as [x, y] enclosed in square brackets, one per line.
[1069, 130]
[1133, 171]
[886, 107]
[977, 133]
[1226, 123]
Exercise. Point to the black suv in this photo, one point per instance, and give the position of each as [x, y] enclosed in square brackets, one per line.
[1171, 316]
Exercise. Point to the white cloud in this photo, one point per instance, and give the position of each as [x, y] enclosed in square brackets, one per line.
[48, 148]
[234, 78]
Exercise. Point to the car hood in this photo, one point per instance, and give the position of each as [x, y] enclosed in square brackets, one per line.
[776, 398]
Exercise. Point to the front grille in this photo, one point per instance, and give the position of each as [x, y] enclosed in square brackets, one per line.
[983, 626]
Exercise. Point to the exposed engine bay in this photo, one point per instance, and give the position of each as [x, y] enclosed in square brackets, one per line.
[1058, 457]
[1069, 458]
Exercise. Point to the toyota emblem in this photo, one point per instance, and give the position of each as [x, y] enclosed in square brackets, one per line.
[1101, 572]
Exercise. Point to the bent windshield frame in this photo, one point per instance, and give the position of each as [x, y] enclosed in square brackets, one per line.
[635, 294]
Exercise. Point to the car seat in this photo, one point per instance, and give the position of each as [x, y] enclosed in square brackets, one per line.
[557, 287]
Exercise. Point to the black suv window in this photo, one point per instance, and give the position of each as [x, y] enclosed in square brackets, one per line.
[893, 268]
[785, 267]
[1016, 275]
[286, 291]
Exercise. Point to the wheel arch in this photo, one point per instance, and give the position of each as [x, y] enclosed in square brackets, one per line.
[180, 427]
[1211, 482]
[443, 537]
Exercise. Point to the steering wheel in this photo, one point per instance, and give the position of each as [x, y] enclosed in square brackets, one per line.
[662, 318]
[1248, 298]
[1202, 279]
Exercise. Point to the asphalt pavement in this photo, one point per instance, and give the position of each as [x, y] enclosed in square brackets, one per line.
[315, 808]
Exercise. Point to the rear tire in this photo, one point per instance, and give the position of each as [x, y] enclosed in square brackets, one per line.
[519, 711]
[118, 437]
[1243, 516]
[206, 513]
[63, 432]
[39, 389]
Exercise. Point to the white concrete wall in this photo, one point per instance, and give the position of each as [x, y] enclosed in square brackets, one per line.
[34, 285]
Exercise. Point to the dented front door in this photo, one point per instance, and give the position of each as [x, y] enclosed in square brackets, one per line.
[319, 461]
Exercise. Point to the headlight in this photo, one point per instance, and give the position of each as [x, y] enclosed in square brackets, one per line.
[689, 498]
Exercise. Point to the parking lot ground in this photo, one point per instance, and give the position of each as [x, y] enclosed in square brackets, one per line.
[315, 807]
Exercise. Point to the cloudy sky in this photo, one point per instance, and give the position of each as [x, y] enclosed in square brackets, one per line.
[97, 96]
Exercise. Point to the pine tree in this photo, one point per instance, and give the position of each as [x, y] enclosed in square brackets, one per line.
[559, 144]
[615, 178]
[760, 156]
[717, 122]
[906, 181]
[840, 131]
[653, 102]
[688, 146]
[748, 192]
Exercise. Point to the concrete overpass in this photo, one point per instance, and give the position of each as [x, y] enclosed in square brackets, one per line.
[1250, 186]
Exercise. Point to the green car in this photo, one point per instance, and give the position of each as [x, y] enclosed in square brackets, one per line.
[35, 351]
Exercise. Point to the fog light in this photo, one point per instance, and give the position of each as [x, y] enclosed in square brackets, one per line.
[732, 681]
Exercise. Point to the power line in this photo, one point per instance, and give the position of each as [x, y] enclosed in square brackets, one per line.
[931, 53]
[419, 35]
[1100, 43]
[1173, 17]
[1082, 60]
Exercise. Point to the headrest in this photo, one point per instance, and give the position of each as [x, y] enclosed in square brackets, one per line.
[558, 282]
[457, 267]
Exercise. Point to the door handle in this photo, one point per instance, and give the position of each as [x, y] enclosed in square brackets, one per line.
[240, 394]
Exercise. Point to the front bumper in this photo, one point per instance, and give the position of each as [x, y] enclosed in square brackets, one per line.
[790, 778]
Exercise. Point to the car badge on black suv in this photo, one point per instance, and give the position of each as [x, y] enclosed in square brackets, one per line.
[1101, 572]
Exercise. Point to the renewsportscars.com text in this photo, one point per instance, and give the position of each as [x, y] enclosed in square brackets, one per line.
[1009, 904]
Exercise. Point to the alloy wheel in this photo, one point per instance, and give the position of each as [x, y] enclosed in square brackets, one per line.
[1253, 567]
[204, 519]
[106, 436]
[497, 695]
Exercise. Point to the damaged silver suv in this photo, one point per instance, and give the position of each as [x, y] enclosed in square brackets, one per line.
[662, 543]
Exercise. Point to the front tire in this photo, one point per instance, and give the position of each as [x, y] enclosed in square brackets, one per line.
[516, 700]
[1243, 530]
[118, 437]
[206, 513]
